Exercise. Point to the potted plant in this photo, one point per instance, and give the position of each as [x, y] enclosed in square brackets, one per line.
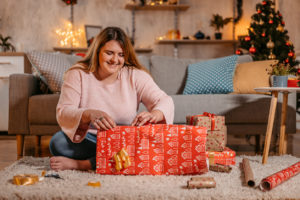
[279, 74]
[5, 45]
[218, 23]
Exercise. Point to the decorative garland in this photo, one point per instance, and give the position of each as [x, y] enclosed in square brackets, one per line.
[239, 11]
[70, 2]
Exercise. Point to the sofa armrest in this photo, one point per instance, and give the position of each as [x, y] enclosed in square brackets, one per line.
[21, 87]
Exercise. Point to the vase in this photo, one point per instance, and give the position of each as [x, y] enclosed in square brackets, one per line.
[280, 81]
[218, 36]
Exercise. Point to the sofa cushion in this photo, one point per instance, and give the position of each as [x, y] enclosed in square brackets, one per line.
[211, 76]
[50, 67]
[42, 109]
[250, 75]
[145, 61]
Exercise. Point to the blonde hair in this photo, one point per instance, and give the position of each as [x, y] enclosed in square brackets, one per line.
[91, 61]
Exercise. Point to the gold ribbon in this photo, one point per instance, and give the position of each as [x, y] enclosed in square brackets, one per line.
[25, 179]
[121, 159]
[94, 184]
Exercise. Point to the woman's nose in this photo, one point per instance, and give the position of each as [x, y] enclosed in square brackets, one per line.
[114, 58]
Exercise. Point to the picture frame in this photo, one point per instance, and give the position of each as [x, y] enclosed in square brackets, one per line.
[90, 32]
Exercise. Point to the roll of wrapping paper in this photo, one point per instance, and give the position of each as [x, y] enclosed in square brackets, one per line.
[201, 182]
[220, 168]
[277, 178]
[249, 178]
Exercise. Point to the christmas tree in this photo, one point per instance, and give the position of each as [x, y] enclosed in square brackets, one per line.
[267, 39]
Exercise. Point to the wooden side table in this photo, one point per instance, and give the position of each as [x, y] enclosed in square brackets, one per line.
[283, 137]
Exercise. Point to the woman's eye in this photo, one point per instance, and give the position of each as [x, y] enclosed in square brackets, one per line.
[121, 55]
[109, 53]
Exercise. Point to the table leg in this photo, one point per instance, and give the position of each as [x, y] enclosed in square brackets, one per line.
[270, 126]
[283, 136]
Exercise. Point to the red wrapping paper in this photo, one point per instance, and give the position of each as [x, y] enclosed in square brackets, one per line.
[153, 149]
[279, 177]
[226, 157]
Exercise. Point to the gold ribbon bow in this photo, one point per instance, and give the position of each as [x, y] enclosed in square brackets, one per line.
[122, 160]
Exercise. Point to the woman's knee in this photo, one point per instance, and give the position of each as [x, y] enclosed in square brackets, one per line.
[57, 142]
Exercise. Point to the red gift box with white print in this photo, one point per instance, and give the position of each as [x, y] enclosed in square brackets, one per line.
[226, 157]
[153, 149]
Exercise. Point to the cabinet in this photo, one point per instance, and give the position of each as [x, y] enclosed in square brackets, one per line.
[10, 63]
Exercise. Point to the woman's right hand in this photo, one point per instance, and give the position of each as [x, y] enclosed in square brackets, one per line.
[101, 120]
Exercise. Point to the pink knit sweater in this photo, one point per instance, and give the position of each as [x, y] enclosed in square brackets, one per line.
[82, 90]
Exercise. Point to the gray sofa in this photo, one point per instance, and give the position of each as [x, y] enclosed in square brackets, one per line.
[33, 113]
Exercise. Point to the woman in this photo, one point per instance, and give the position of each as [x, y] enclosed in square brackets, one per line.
[103, 90]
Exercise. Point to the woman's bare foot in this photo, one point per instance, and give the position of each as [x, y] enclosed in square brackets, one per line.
[58, 163]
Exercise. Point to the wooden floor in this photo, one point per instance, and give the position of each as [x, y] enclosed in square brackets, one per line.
[8, 147]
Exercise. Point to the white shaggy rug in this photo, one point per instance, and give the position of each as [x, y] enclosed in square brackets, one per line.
[73, 185]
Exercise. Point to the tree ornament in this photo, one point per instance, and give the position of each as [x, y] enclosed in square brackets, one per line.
[261, 22]
[270, 44]
[264, 3]
[287, 43]
[258, 11]
[282, 23]
[263, 34]
[271, 21]
[247, 38]
[291, 54]
[280, 28]
[287, 60]
[238, 52]
[271, 56]
[252, 49]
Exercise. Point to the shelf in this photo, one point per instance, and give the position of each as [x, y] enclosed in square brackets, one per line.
[197, 41]
[181, 7]
[143, 50]
[70, 50]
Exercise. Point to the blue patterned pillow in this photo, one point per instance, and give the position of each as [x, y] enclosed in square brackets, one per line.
[211, 77]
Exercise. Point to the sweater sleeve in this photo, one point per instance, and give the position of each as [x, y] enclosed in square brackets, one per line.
[152, 96]
[68, 112]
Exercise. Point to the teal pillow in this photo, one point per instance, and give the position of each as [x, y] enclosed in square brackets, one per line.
[211, 76]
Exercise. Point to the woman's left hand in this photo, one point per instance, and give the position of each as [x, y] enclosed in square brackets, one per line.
[147, 117]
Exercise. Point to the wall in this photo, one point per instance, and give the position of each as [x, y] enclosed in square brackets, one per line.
[32, 23]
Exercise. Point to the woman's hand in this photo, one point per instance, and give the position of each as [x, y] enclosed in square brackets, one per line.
[148, 117]
[101, 120]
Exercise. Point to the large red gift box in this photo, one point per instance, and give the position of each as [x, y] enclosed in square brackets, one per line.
[226, 157]
[153, 149]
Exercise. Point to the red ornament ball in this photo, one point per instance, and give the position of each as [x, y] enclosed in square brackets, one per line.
[258, 11]
[264, 3]
[287, 60]
[238, 52]
[263, 34]
[282, 22]
[247, 38]
[270, 21]
[287, 43]
[291, 54]
[252, 49]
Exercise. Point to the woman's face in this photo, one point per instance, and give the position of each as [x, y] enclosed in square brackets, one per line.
[111, 59]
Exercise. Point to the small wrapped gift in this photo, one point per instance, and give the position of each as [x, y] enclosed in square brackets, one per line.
[211, 121]
[201, 182]
[226, 157]
[152, 150]
[216, 140]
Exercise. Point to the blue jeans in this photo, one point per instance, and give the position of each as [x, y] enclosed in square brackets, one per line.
[61, 145]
